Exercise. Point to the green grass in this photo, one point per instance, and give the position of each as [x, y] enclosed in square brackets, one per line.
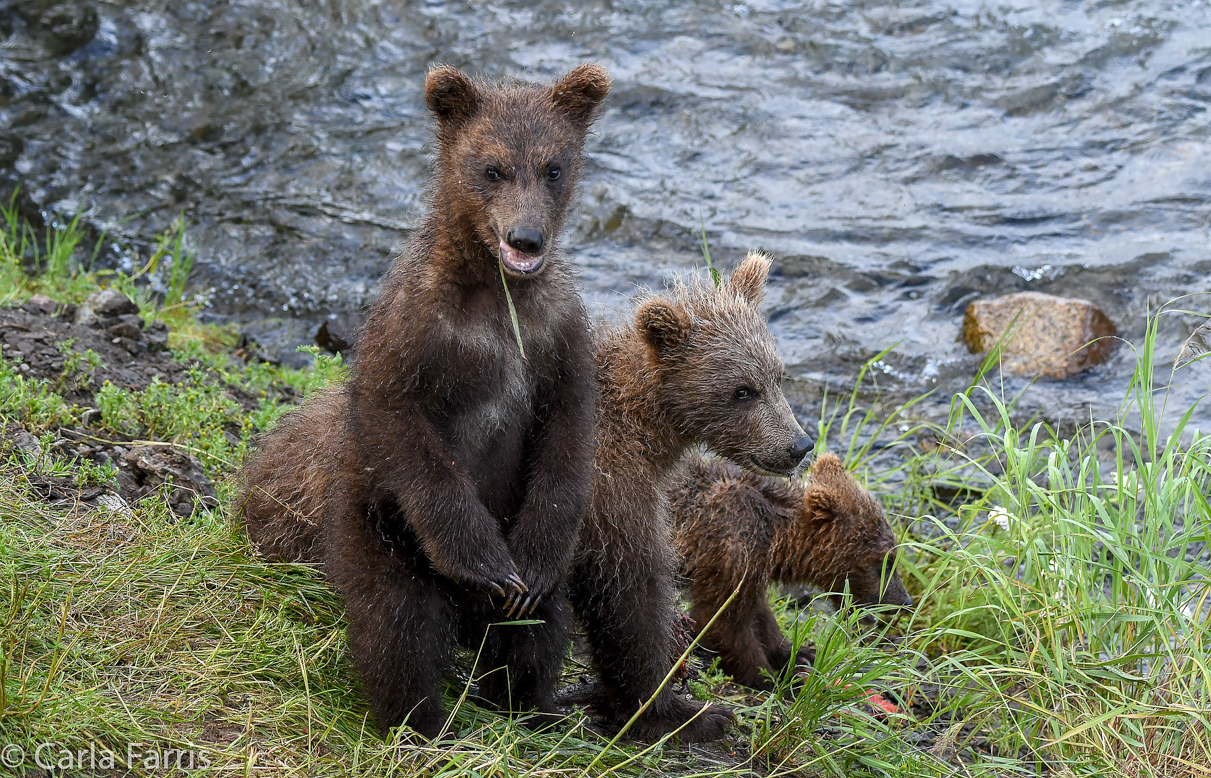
[1070, 641]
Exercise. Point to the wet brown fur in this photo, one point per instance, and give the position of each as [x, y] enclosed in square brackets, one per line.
[448, 469]
[736, 529]
[667, 382]
[285, 495]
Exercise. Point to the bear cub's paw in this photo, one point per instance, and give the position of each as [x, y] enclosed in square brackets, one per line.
[703, 722]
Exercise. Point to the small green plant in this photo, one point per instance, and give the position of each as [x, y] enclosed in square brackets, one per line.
[89, 473]
[118, 408]
[181, 265]
[78, 367]
[31, 401]
[61, 245]
[325, 369]
[171, 263]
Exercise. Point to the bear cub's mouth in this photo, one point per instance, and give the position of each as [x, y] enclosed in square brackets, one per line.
[517, 262]
[764, 469]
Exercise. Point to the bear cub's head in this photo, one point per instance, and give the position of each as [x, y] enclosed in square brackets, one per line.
[850, 538]
[509, 156]
[719, 372]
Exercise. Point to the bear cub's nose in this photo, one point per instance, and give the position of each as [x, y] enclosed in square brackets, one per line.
[799, 448]
[525, 240]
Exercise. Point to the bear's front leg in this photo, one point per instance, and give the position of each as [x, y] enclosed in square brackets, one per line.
[401, 452]
[401, 625]
[559, 488]
[778, 648]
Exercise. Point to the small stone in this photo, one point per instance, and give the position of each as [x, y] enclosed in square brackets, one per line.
[68, 26]
[90, 416]
[128, 486]
[40, 303]
[125, 328]
[115, 504]
[156, 336]
[1056, 337]
[133, 347]
[110, 302]
[87, 317]
[24, 441]
[154, 466]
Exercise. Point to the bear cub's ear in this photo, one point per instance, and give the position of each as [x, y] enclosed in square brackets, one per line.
[821, 503]
[451, 95]
[663, 325]
[748, 280]
[578, 94]
[828, 478]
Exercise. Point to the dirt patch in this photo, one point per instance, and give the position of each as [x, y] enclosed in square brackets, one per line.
[44, 340]
[76, 350]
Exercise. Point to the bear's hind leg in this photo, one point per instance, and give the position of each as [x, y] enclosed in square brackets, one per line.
[401, 629]
[525, 660]
[737, 637]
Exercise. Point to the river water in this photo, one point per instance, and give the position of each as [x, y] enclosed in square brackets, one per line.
[898, 159]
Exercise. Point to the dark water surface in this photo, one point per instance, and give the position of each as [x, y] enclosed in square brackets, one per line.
[899, 159]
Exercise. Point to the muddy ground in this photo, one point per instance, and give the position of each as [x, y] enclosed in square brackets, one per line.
[53, 342]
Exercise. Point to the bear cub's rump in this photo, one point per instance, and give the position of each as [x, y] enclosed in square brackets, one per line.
[733, 526]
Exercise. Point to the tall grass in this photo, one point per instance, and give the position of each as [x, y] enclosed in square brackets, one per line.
[1062, 623]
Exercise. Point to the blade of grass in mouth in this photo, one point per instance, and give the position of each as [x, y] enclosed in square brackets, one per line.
[512, 310]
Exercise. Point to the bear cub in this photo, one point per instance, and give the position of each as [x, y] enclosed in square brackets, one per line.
[441, 487]
[697, 369]
[733, 526]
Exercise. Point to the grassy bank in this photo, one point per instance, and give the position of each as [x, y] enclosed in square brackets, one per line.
[1061, 585]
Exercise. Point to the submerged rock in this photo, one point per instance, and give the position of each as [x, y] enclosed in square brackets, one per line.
[1056, 337]
[339, 334]
[65, 27]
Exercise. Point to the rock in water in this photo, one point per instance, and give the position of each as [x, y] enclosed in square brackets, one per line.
[339, 334]
[1056, 337]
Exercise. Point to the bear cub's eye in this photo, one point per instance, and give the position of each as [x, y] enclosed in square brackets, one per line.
[553, 173]
[744, 393]
[492, 174]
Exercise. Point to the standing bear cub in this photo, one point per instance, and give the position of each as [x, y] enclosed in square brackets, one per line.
[443, 485]
[735, 529]
[700, 369]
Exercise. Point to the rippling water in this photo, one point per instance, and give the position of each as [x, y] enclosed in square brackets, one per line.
[899, 159]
